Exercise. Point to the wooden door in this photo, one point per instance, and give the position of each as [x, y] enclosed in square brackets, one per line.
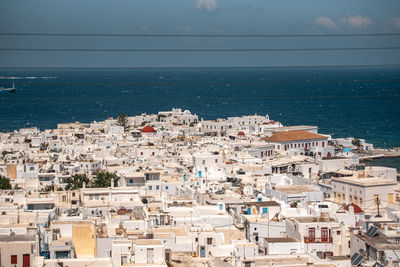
[26, 260]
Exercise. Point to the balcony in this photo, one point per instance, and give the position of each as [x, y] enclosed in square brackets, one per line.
[317, 239]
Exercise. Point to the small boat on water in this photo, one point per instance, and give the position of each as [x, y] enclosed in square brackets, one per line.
[8, 90]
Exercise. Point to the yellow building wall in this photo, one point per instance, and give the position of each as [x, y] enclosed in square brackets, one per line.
[84, 240]
[12, 171]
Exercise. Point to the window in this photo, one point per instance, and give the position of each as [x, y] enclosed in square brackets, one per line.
[14, 259]
[216, 160]
[247, 264]
[131, 181]
[209, 241]
[157, 187]
[150, 187]
[64, 198]
[73, 194]
[91, 196]
[166, 188]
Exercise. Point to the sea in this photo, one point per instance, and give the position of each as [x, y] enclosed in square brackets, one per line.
[343, 102]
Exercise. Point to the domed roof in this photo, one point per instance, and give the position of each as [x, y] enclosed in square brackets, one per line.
[241, 133]
[347, 149]
[148, 129]
[357, 209]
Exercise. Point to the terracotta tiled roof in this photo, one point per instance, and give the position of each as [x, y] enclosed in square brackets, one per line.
[357, 209]
[293, 136]
[148, 129]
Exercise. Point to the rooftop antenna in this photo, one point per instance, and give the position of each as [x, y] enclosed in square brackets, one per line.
[377, 203]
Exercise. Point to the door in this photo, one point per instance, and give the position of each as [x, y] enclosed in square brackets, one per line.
[150, 255]
[202, 251]
[324, 234]
[26, 260]
[311, 233]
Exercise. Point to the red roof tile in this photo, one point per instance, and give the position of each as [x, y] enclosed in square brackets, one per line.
[298, 135]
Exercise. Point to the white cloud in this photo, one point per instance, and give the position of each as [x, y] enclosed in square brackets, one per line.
[144, 29]
[357, 21]
[185, 29]
[326, 22]
[395, 22]
[207, 5]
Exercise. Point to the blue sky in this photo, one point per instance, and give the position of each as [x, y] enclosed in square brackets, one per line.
[198, 17]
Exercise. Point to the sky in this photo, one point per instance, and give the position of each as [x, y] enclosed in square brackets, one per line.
[198, 17]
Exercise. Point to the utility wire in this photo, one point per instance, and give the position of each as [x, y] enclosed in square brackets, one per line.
[199, 49]
[199, 35]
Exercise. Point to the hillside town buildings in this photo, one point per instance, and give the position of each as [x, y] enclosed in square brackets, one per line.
[241, 192]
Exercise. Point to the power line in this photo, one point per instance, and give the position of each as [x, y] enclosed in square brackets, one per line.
[194, 67]
[200, 50]
[199, 35]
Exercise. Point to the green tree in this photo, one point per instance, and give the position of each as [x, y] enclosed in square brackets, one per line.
[43, 146]
[4, 183]
[122, 120]
[76, 181]
[103, 179]
[356, 142]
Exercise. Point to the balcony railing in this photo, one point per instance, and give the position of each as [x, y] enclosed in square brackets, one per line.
[317, 239]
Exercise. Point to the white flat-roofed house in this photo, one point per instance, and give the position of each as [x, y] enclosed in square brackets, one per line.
[177, 116]
[90, 166]
[18, 250]
[142, 252]
[261, 221]
[27, 171]
[378, 248]
[219, 126]
[319, 235]
[364, 190]
[115, 130]
[262, 152]
[281, 245]
[207, 165]
[294, 193]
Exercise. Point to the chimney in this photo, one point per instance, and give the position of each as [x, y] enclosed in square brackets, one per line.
[351, 209]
